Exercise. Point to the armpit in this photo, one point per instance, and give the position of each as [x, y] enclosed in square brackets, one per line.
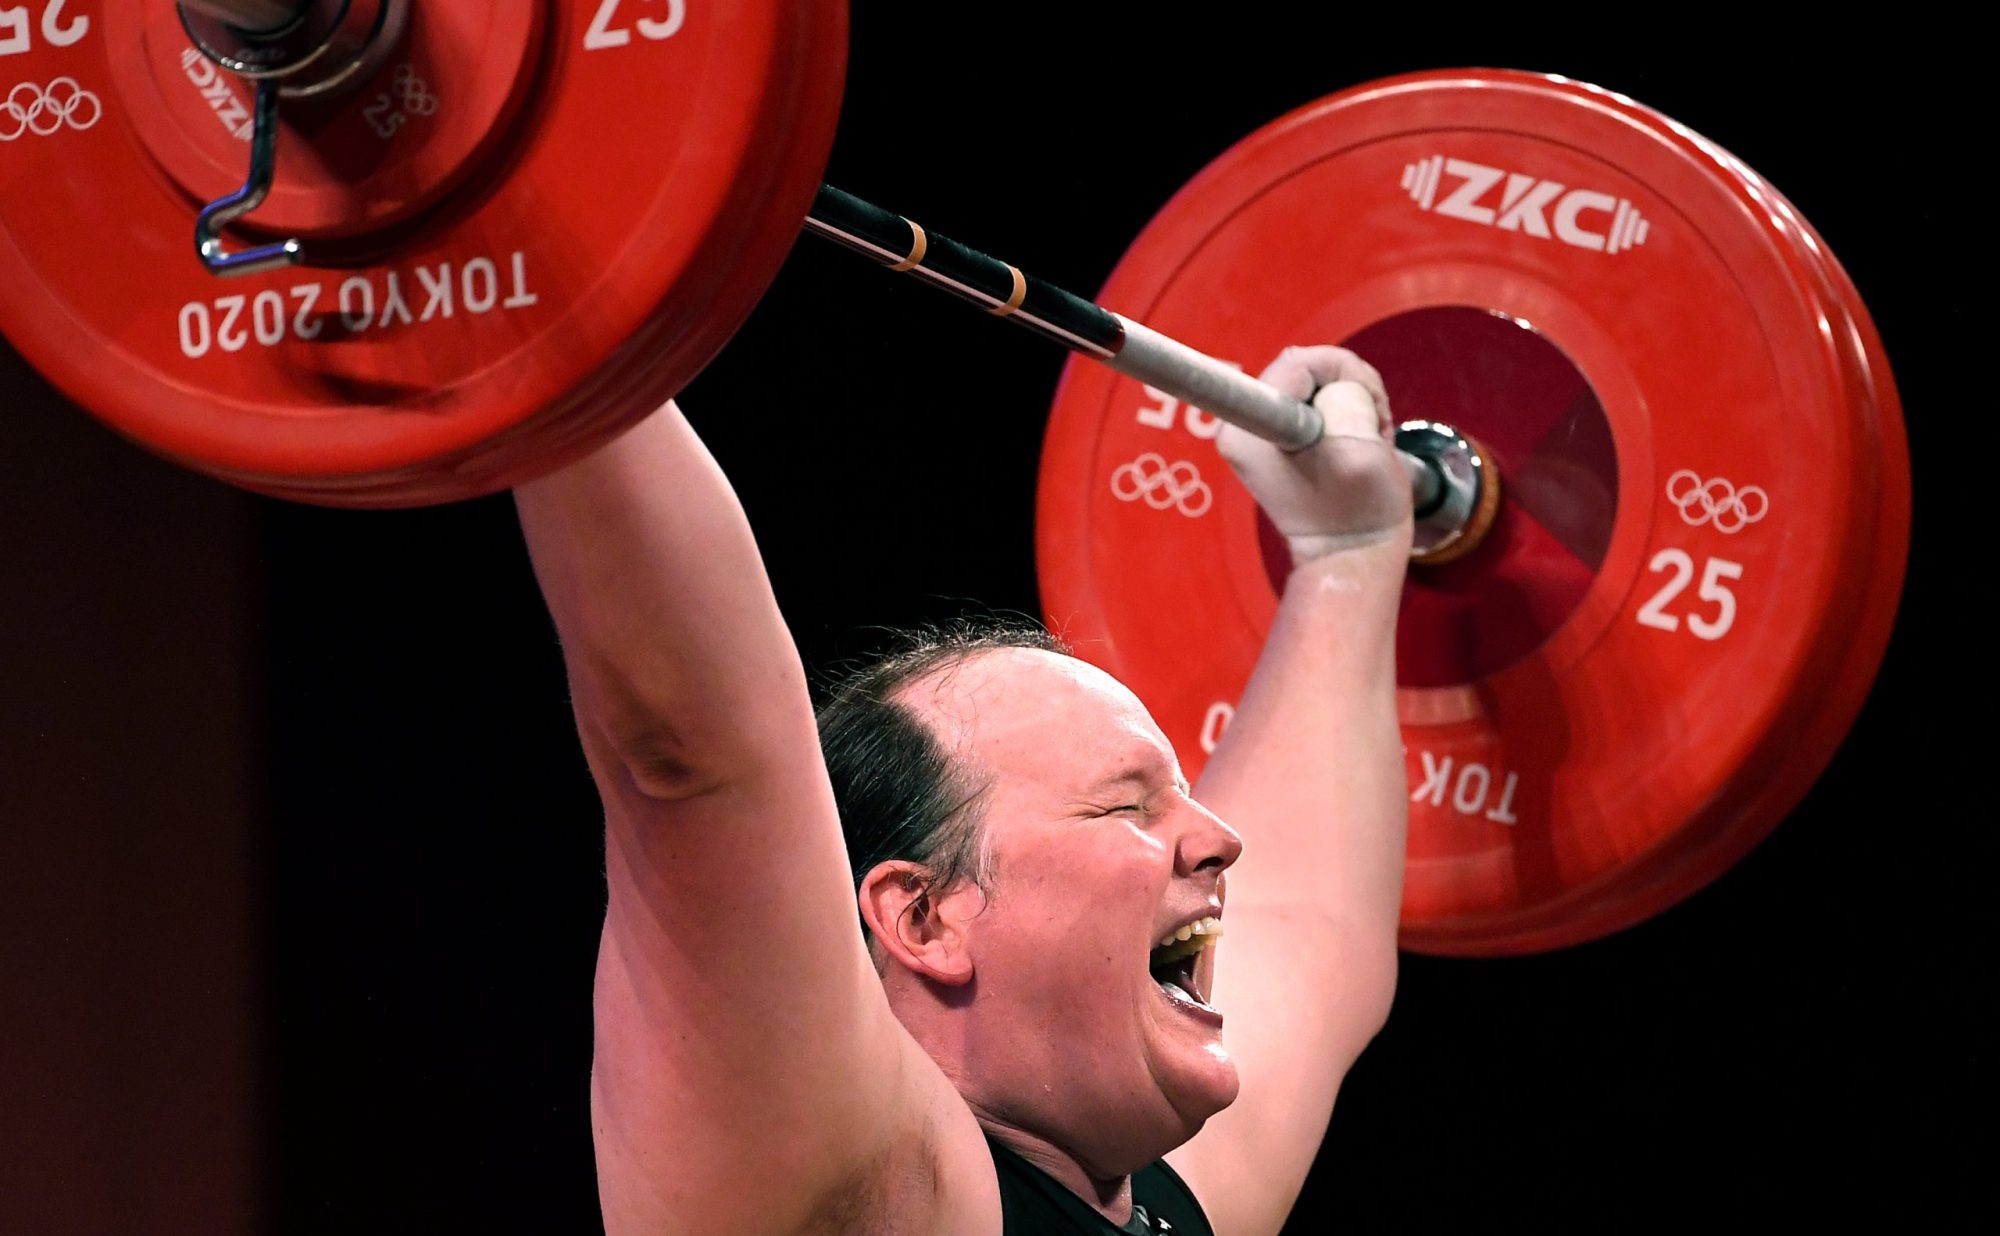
[896, 1193]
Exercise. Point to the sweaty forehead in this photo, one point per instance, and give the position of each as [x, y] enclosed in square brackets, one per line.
[1007, 705]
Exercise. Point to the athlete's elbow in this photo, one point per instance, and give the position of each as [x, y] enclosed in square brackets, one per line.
[660, 766]
[676, 756]
[1378, 995]
[1368, 985]
[667, 748]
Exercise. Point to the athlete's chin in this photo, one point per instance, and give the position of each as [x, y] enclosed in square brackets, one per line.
[1191, 1062]
[1203, 1085]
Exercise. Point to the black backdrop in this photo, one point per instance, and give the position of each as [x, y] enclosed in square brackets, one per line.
[1803, 1035]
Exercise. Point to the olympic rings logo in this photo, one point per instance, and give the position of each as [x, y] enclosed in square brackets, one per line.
[416, 93]
[1150, 478]
[43, 110]
[1729, 508]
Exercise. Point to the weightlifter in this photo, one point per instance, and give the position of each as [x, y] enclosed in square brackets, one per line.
[1028, 1033]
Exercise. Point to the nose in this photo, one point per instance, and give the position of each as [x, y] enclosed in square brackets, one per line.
[1206, 844]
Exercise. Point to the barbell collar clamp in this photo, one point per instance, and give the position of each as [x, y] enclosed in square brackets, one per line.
[1461, 511]
[221, 212]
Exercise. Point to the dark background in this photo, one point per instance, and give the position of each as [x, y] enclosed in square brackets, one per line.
[300, 868]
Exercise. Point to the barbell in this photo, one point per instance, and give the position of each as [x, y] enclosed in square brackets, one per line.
[392, 252]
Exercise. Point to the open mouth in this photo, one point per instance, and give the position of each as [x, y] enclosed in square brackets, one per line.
[1174, 961]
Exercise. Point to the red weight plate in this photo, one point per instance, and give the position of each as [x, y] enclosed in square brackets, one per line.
[1682, 597]
[570, 207]
[1849, 672]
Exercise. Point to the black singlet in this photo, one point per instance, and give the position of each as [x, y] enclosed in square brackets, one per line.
[1032, 1203]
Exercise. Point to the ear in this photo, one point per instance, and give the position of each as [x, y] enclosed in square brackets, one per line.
[919, 929]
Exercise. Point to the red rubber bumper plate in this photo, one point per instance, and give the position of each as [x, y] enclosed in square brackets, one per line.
[1706, 492]
[524, 233]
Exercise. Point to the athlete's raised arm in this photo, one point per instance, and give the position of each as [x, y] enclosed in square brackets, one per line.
[748, 1073]
[1310, 772]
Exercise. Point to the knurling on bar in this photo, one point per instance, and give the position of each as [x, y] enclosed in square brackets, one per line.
[1223, 391]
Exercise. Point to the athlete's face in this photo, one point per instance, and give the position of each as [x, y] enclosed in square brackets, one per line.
[1096, 852]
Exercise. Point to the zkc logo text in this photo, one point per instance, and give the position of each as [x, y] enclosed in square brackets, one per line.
[1581, 217]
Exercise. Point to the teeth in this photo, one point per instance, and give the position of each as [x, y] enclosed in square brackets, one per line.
[1209, 927]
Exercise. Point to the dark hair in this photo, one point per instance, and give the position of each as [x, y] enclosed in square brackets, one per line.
[900, 796]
